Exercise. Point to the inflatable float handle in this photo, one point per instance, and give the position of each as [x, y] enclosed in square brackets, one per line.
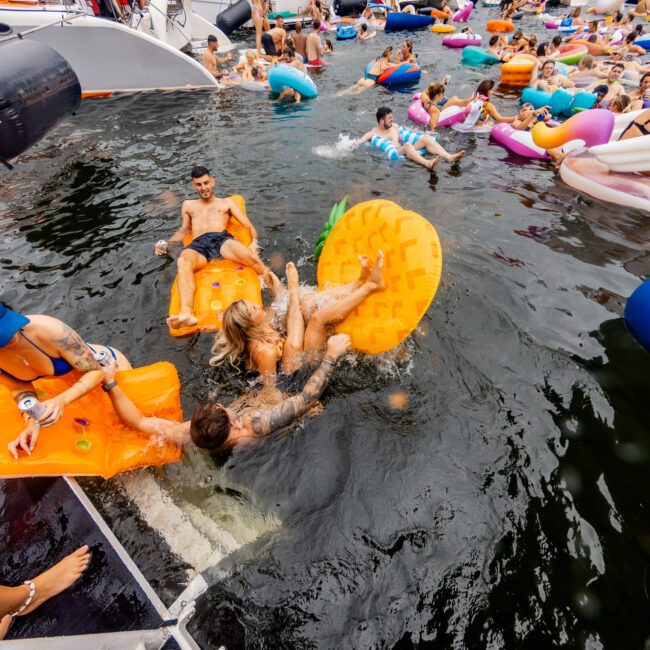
[593, 126]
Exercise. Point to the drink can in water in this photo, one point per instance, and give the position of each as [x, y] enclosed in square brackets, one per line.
[101, 357]
[32, 407]
[162, 244]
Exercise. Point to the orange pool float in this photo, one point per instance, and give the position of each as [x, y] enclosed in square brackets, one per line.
[436, 13]
[500, 26]
[412, 270]
[518, 70]
[90, 439]
[218, 285]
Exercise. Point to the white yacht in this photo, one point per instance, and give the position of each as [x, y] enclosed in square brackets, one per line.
[142, 51]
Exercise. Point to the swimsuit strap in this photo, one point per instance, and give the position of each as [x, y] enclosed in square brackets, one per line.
[59, 364]
[641, 126]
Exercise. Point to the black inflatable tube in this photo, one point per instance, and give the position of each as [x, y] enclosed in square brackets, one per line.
[233, 17]
[38, 88]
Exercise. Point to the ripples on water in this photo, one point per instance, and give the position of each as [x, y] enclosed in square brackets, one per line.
[484, 487]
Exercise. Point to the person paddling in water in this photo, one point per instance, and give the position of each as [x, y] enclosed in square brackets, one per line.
[205, 219]
[387, 129]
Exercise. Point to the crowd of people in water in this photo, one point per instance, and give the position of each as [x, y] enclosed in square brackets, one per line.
[600, 72]
[259, 339]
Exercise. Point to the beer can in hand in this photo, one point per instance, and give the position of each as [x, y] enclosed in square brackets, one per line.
[101, 356]
[32, 407]
[162, 245]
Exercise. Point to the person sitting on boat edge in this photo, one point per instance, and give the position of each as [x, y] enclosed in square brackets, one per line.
[387, 129]
[218, 429]
[211, 60]
[206, 219]
[37, 346]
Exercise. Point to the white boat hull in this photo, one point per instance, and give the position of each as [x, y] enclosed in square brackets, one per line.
[109, 57]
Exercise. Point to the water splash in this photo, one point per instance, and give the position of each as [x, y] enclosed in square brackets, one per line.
[343, 148]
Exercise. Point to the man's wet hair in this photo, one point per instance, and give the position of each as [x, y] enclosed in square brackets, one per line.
[199, 171]
[382, 112]
[209, 426]
[212, 38]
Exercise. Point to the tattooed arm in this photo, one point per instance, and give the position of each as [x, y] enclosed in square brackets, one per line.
[71, 347]
[265, 421]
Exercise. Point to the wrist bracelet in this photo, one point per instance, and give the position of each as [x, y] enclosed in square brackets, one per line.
[30, 597]
[107, 388]
[332, 363]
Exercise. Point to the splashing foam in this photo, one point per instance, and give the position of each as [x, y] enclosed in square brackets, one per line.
[341, 149]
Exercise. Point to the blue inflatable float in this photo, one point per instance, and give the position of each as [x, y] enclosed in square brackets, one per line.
[345, 32]
[637, 314]
[285, 76]
[397, 20]
[561, 102]
[473, 55]
[405, 136]
[400, 74]
[643, 41]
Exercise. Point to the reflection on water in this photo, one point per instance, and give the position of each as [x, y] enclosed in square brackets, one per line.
[483, 486]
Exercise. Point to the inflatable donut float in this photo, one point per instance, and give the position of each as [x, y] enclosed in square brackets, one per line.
[412, 270]
[218, 284]
[90, 439]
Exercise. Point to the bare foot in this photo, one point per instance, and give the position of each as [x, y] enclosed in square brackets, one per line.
[456, 156]
[59, 577]
[376, 280]
[365, 268]
[292, 276]
[434, 162]
[4, 626]
[273, 282]
[182, 319]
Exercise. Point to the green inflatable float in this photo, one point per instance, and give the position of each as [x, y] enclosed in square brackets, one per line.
[337, 211]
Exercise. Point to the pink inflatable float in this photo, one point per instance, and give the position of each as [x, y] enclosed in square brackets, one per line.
[519, 142]
[417, 113]
[594, 127]
[463, 14]
[461, 40]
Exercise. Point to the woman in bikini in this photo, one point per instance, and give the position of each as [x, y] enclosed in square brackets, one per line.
[488, 112]
[248, 340]
[431, 98]
[372, 74]
[32, 347]
[260, 21]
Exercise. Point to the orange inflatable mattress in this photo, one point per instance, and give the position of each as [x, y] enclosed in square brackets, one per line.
[518, 71]
[500, 26]
[218, 285]
[90, 439]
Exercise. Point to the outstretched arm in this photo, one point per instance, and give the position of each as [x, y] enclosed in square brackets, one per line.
[131, 416]
[265, 421]
[364, 138]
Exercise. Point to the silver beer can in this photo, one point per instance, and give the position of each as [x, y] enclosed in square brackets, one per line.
[32, 407]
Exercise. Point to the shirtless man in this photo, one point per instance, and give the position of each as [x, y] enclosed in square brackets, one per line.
[205, 219]
[615, 88]
[273, 40]
[211, 60]
[289, 57]
[300, 41]
[315, 47]
[387, 129]
[217, 428]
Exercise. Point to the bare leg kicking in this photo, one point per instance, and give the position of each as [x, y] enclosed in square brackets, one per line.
[411, 153]
[317, 330]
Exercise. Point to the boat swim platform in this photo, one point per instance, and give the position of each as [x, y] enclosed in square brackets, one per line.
[111, 606]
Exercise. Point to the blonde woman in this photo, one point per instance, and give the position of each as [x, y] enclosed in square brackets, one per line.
[248, 340]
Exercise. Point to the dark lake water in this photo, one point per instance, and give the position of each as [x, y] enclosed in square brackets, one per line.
[505, 505]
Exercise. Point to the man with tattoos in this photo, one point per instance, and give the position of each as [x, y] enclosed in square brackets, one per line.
[32, 347]
[217, 428]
